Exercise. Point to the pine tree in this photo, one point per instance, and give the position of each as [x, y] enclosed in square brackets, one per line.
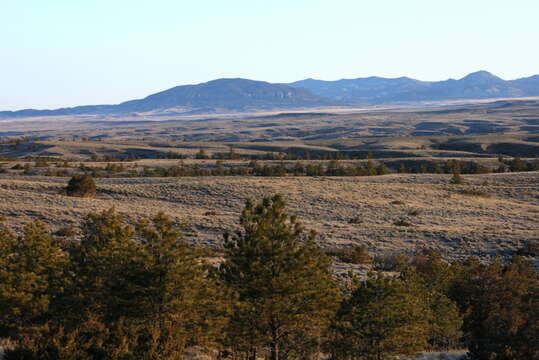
[382, 319]
[433, 279]
[442, 315]
[201, 154]
[33, 276]
[182, 303]
[27, 169]
[382, 169]
[106, 266]
[499, 303]
[285, 287]
[402, 169]
[456, 178]
[370, 169]
[142, 293]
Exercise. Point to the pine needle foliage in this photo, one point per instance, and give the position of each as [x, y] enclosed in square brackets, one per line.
[500, 304]
[286, 292]
[381, 319]
[33, 278]
[184, 303]
[150, 292]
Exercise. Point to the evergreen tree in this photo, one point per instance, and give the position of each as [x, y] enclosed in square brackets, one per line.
[201, 154]
[107, 267]
[517, 164]
[148, 297]
[402, 169]
[442, 315]
[181, 301]
[382, 319]
[285, 287]
[436, 277]
[499, 303]
[456, 179]
[33, 277]
[370, 169]
[27, 169]
[382, 169]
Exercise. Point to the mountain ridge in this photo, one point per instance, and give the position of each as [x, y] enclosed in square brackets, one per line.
[230, 94]
[240, 95]
[477, 85]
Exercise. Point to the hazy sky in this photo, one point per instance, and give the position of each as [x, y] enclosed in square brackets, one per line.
[56, 53]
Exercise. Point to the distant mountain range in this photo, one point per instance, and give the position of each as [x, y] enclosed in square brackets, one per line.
[224, 95]
[210, 97]
[478, 85]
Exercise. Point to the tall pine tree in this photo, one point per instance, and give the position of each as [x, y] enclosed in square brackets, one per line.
[286, 293]
[33, 278]
[381, 319]
[183, 302]
[499, 303]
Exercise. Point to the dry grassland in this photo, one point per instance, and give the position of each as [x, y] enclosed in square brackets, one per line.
[492, 215]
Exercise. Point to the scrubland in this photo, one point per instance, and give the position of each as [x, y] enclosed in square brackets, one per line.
[492, 214]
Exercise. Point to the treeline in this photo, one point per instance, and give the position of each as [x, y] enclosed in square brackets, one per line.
[141, 292]
[338, 168]
[296, 168]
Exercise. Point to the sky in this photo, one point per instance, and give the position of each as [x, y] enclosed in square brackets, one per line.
[59, 53]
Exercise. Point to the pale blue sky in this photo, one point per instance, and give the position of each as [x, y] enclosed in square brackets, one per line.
[71, 52]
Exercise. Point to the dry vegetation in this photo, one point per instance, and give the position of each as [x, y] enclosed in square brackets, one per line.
[488, 215]
[459, 220]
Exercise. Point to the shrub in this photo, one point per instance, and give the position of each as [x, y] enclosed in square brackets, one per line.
[41, 163]
[456, 179]
[67, 231]
[402, 222]
[414, 212]
[27, 169]
[81, 186]
[474, 192]
[356, 254]
[531, 248]
[390, 261]
[356, 220]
